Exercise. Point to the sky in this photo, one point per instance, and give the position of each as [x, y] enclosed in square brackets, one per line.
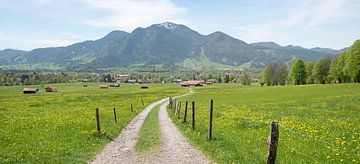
[30, 24]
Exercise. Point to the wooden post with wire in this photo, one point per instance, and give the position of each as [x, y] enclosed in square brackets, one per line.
[170, 102]
[97, 115]
[174, 107]
[210, 120]
[193, 115]
[115, 116]
[176, 111]
[179, 109]
[185, 112]
[273, 142]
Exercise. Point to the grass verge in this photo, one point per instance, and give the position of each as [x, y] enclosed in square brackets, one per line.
[149, 139]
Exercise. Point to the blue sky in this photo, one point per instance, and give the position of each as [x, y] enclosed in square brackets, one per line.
[29, 24]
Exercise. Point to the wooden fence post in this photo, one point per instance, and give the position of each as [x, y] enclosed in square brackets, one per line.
[185, 112]
[115, 116]
[97, 121]
[174, 107]
[179, 109]
[142, 102]
[273, 142]
[170, 102]
[131, 107]
[193, 115]
[210, 120]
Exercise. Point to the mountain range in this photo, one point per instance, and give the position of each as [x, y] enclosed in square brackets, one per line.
[167, 45]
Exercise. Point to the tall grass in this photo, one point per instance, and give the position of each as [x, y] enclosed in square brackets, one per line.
[318, 123]
[60, 127]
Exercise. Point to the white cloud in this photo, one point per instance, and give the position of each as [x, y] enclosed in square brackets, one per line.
[28, 43]
[129, 14]
[301, 20]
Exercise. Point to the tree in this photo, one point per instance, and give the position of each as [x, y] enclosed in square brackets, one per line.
[321, 70]
[309, 65]
[274, 74]
[333, 72]
[340, 64]
[227, 78]
[352, 62]
[219, 80]
[266, 75]
[298, 72]
[283, 74]
[245, 79]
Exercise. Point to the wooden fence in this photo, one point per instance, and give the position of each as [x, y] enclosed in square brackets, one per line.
[272, 139]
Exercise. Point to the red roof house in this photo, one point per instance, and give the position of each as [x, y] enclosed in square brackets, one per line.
[51, 89]
[192, 83]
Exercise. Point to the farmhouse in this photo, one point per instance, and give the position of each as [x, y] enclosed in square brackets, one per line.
[30, 90]
[192, 83]
[144, 87]
[103, 87]
[51, 89]
[114, 85]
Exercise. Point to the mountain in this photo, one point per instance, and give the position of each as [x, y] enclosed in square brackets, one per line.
[271, 45]
[167, 45]
[328, 50]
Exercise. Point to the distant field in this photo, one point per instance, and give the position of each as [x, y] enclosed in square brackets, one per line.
[60, 127]
[318, 123]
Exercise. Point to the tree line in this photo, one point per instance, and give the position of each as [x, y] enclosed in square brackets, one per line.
[342, 68]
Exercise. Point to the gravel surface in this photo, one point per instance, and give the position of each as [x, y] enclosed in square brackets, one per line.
[174, 147]
[122, 149]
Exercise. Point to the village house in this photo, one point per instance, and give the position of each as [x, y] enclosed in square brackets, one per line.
[51, 89]
[30, 90]
[103, 87]
[114, 85]
[144, 87]
[192, 83]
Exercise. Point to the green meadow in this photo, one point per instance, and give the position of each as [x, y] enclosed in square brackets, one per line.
[60, 127]
[317, 123]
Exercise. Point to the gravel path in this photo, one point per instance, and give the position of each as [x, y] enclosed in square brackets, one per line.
[122, 149]
[174, 147]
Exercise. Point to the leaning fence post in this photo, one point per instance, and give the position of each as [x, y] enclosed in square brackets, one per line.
[179, 109]
[193, 115]
[174, 107]
[185, 112]
[273, 142]
[170, 102]
[115, 116]
[210, 120]
[97, 121]
[131, 107]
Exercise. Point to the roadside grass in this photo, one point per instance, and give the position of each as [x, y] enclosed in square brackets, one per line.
[317, 123]
[60, 127]
[149, 139]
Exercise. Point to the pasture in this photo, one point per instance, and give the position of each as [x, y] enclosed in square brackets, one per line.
[59, 127]
[317, 123]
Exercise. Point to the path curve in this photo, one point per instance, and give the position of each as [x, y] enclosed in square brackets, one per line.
[122, 149]
[174, 147]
